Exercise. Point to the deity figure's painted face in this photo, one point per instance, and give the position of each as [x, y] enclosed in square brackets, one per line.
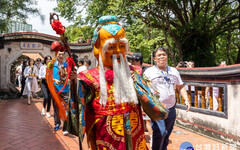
[108, 45]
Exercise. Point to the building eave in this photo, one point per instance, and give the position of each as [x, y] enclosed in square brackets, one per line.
[46, 39]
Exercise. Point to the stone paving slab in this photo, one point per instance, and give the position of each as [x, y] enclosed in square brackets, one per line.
[23, 127]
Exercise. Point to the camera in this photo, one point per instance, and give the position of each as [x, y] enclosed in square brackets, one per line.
[183, 64]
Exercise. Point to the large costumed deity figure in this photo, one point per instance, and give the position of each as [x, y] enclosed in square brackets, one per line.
[107, 104]
[110, 97]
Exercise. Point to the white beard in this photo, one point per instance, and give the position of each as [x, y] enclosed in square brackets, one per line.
[124, 91]
[103, 84]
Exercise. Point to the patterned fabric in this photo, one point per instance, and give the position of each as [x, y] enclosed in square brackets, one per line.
[111, 127]
[113, 27]
[117, 131]
[105, 19]
[71, 112]
[136, 68]
[114, 126]
[95, 34]
[81, 108]
[150, 103]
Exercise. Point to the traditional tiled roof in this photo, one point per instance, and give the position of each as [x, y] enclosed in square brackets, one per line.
[46, 39]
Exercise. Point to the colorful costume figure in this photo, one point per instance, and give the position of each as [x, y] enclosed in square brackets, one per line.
[109, 106]
[105, 102]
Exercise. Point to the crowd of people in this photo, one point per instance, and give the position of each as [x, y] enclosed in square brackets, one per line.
[31, 77]
[27, 78]
[109, 95]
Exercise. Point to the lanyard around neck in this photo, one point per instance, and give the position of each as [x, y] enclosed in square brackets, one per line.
[166, 77]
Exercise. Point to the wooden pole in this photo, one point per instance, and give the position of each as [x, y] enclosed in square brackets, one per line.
[196, 97]
[220, 98]
[211, 98]
[203, 98]
[183, 100]
[177, 96]
[189, 94]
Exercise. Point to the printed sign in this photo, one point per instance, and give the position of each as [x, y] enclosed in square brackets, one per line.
[31, 45]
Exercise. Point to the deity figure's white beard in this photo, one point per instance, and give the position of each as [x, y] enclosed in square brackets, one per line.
[124, 91]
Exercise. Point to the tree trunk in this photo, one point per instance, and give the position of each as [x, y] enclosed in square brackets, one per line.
[228, 47]
[215, 48]
[171, 50]
[178, 44]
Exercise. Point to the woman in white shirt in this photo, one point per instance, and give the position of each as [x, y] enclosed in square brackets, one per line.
[19, 75]
[46, 93]
[31, 86]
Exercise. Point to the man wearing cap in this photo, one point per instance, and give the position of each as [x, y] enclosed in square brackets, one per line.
[137, 59]
[109, 106]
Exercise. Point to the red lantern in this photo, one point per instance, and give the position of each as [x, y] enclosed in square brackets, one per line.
[56, 46]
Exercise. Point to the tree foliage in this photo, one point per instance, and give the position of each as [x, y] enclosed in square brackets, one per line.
[17, 10]
[75, 33]
[143, 39]
[197, 30]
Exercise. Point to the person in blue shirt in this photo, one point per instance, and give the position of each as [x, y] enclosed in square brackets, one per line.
[59, 77]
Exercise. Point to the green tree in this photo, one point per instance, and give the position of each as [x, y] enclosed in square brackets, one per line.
[227, 48]
[143, 39]
[191, 28]
[17, 10]
[74, 33]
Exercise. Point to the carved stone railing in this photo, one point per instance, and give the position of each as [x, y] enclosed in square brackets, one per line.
[213, 114]
[212, 103]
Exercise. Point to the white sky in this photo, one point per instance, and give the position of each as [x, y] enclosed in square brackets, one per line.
[46, 7]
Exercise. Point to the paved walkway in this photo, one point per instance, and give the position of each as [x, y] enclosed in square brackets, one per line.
[23, 127]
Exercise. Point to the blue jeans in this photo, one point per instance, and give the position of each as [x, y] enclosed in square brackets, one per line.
[162, 130]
